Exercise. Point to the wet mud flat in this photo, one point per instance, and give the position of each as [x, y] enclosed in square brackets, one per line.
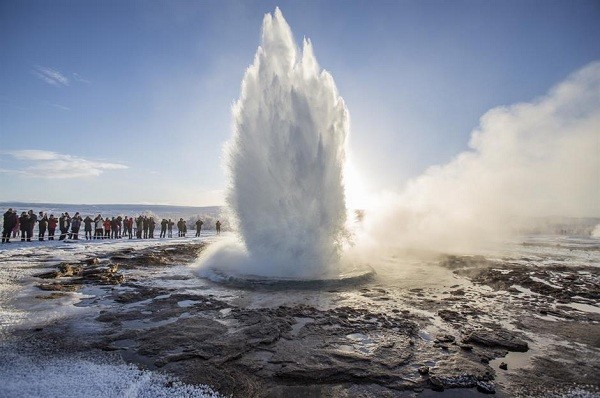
[483, 326]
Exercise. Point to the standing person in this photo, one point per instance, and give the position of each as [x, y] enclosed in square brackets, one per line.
[170, 227]
[52, 223]
[64, 223]
[114, 226]
[180, 225]
[198, 227]
[139, 224]
[107, 224]
[75, 225]
[98, 225]
[126, 226]
[24, 225]
[119, 227]
[163, 228]
[43, 224]
[17, 228]
[32, 220]
[218, 225]
[87, 227]
[145, 225]
[10, 220]
[151, 227]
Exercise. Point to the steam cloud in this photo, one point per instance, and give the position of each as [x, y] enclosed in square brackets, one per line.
[527, 160]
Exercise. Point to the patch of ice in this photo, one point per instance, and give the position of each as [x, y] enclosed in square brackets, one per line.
[23, 377]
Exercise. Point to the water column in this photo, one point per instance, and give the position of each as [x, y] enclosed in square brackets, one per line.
[286, 159]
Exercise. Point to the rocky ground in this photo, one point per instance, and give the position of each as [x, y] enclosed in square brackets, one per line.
[462, 326]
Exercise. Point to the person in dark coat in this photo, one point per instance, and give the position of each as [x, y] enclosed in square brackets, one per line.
[218, 225]
[199, 227]
[32, 220]
[139, 225]
[146, 226]
[10, 220]
[163, 228]
[75, 226]
[87, 227]
[114, 227]
[151, 227]
[52, 223]
[126, 225]
[24, 225]
[43, 225]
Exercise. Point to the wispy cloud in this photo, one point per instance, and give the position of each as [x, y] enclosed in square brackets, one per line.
[78, 78]
[48, 164]
[51, 76]
[62, 107]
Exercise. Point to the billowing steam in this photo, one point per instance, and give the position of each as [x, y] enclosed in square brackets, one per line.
[528, 160]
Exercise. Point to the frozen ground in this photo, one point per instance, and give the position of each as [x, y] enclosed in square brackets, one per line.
[424, 323]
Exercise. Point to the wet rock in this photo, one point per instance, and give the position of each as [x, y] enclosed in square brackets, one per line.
[51, 296]
[92, 261]
[452, 316]
[445, 338]
[503, 366]
[59, 287]
[486, 387]
[497, 338]
[423, 370]
[98, 274]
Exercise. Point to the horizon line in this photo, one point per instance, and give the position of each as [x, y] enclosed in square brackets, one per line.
[102, 204]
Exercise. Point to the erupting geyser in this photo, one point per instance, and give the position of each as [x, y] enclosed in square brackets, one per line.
[286, 161]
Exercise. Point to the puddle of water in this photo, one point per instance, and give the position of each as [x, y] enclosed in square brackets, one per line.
[514, 360]
[187, 303]
[361, 342]
[137, 324]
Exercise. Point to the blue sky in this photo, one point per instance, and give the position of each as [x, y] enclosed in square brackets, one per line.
[129, 101]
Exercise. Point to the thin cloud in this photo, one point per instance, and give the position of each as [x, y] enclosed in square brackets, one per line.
[53, 165]
[78, 78]
[51, 76]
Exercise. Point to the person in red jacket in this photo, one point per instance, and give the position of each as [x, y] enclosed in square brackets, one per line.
[52, 223]
[107, 224]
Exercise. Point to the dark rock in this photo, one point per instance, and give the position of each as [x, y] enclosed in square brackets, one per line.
[503, 366]
[497, 338]
[445, 338]
[452, 316]
[59, 287]
[423, 370]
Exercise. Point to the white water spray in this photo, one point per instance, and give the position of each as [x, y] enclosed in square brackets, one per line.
[286, 161]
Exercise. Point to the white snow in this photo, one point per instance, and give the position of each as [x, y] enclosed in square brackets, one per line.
[24, 376]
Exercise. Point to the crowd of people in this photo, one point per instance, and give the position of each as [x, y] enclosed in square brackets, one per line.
[142, 227]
